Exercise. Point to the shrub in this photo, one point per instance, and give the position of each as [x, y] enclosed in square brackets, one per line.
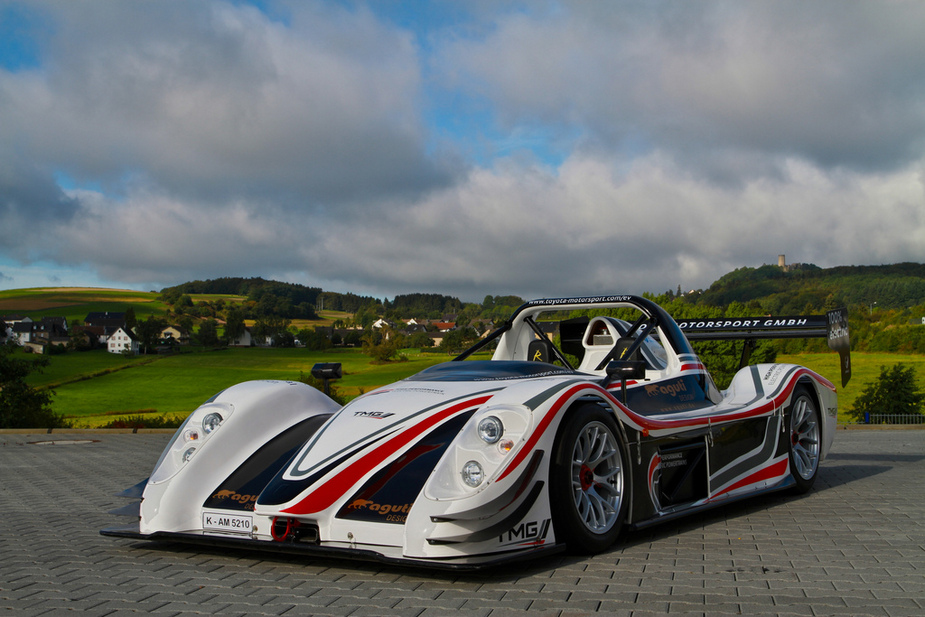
[894, 393]
[146, 421]
[22, 406]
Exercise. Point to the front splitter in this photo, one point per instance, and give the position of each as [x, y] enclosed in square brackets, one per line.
[307, 549]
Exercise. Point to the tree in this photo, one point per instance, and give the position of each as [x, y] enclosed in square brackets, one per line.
[185, 322]
[208, 333]
[130, 320]
[149, 332]
[420, 339]
[457, 340]
[894, 393]
[315, 339]
[234, 324]
[22, 406]
[274, 329]
[382, 346]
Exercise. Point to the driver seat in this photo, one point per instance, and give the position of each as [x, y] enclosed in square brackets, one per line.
[598, 340]
[539, 351]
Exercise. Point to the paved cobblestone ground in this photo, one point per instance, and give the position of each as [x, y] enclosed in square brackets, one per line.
[855, 545]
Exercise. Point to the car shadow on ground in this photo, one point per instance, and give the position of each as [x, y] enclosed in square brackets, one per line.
[830, 476]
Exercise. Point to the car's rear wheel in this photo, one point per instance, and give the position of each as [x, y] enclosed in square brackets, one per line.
[805, 438]
[588, 481]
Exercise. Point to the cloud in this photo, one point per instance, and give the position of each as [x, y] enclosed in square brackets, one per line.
[214, 101]
[837, 84]
[535, 149]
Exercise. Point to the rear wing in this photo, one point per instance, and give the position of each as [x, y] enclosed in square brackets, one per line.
[832, 326]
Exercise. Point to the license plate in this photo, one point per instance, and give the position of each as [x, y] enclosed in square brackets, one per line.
[227, 523]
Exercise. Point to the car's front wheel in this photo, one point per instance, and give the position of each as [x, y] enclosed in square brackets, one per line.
[588, 481]
[805, 438]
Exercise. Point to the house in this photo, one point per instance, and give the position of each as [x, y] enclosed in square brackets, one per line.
[51, 330]
[175, 335]
[87, 337]
[110, 322]
[245, 340]
[121, 341]
[12, 319]
[14, 330]
[22, 332]
[99, 318]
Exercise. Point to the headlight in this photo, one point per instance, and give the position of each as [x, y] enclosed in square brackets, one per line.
[189, 438]
[211, 422]
[480, 450]
[472, 474]
[490, 429]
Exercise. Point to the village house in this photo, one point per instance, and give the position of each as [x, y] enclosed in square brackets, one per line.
[110, 322]
[173, 335]
[245, 340]
[35, 335]
[123, 340]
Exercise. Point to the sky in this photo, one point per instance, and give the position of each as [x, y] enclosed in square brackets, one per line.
[539, 148]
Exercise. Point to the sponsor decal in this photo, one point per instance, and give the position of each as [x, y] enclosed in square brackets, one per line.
[247, 501]
[763, 322]
[531, 532]
[378, 415]
[585, 300]
[392, 513]
[677, 389]
[839, 328]
[416, 390]
[773, 373]
[555, 373]
[673, 459]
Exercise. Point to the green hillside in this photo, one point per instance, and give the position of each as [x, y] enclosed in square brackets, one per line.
[74, 303]
[886, 307]
[791, 290]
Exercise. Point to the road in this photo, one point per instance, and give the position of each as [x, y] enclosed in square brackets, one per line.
[854, 545]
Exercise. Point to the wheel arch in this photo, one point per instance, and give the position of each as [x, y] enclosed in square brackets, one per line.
[605, 405]
[622, 434]
[813, 387]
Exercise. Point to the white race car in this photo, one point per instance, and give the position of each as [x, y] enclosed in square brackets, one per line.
[472, 463]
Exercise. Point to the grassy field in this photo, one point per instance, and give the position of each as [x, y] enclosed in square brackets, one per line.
[865, 369]
[93, 388]
[75, 302]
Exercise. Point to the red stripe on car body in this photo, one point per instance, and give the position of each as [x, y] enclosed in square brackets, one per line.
[329, 492]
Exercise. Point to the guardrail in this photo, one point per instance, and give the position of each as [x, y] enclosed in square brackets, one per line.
[889, 418]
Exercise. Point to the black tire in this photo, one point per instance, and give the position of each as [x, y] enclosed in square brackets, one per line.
[804, 431]
[589, 481]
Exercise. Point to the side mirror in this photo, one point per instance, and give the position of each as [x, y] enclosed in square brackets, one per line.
[624, 370]
[327, 372]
